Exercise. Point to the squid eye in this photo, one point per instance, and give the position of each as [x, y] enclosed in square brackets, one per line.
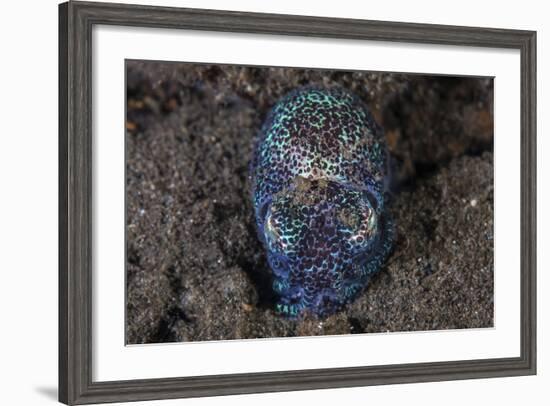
[371, 198]
[272, 233]
[364, 231]
[262, 212]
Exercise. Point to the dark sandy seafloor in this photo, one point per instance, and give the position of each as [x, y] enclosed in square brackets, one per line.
[195, 267]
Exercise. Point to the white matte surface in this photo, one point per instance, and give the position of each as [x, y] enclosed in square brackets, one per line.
[114, 361]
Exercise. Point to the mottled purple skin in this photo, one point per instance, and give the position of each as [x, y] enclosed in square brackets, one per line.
[318, 177]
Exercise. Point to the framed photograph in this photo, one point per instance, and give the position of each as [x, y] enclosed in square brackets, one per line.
[257, 203]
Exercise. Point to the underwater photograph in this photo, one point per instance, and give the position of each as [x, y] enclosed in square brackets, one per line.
[271, 202]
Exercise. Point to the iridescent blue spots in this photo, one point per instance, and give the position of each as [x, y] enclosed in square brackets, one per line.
[318, 177]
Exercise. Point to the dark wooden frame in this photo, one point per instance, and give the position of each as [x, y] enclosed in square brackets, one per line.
[76, 20]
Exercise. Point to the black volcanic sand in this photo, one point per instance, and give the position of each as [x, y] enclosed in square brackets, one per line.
[195, 267]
